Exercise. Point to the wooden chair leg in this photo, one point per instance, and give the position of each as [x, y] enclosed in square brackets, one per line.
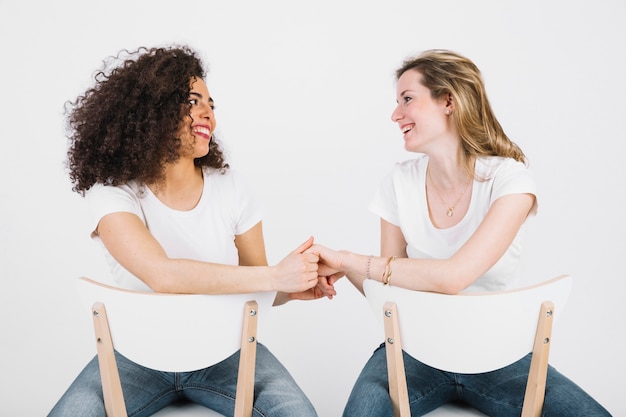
[111, 385]
[395, 363]
[537, 375]
[247, 361]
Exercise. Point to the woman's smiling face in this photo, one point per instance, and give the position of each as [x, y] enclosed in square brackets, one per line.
[196, 136]
[421, 118]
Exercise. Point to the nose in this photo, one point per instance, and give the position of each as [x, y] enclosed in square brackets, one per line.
[205, 111]
[396, 115]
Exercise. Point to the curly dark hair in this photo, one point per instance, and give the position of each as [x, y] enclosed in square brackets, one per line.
[126, 126]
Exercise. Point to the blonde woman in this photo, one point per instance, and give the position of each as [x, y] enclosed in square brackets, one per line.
[452, 220]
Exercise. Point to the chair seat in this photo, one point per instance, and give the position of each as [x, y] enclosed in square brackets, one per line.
[187, 410]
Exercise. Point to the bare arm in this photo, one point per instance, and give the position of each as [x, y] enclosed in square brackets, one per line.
[484, 248]
[134, 247]
[251, 247]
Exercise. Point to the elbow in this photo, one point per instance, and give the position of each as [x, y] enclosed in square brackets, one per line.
[161, 282]
[459, 275]
[161, 286]
[168, 285]
[451, 287]
[454, 284]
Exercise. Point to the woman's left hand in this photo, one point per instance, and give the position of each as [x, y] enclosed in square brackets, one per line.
[325, 288]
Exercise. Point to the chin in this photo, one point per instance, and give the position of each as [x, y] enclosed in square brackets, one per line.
[201, 153]
[409, 148]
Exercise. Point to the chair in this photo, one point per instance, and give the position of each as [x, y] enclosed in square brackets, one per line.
[468, 333]
[174, 333]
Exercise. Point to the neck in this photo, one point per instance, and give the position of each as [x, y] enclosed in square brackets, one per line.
[181, 186]
[447, 173]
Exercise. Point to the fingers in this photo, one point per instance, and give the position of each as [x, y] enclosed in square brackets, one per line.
[319, 277]
[317, 249]
[326, 287]
[310, 263]
[335, 277]
[304, 246]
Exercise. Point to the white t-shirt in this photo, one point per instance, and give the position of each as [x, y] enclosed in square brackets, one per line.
[207, 233]
[401, 200]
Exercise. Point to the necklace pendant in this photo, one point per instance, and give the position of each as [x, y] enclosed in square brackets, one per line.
[450, 212]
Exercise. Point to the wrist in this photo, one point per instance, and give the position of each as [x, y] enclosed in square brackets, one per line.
[378, 268]
[273, 279]
[386, 276]
[353, 263]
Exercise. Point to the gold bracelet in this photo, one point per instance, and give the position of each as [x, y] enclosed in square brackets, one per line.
[386, 278]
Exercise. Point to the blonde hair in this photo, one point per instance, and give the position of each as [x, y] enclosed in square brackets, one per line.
[446, 72]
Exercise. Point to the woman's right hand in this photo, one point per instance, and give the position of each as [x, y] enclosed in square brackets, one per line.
[330, 262]
[298, 271]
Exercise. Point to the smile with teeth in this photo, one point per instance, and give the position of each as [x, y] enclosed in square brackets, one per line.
[407, 128]
[202, 130]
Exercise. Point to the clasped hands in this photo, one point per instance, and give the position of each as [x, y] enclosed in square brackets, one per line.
[310, 272]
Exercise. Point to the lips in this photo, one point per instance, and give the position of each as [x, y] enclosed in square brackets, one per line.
[202, 131]
[407, 128]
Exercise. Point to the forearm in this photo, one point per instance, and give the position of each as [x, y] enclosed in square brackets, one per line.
[443, 276]
[195, 277]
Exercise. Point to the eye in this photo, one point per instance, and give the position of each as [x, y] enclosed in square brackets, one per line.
[193, 101]
[406, 99]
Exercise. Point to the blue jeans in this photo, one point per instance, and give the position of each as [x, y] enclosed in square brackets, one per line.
[498, 393]
[146, 391]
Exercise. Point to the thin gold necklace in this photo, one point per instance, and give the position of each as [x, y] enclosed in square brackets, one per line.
[450, 208]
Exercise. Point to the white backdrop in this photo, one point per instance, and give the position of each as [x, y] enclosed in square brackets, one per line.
[304, 93]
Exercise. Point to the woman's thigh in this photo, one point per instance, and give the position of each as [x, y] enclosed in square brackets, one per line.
[502, 393]
[428, 388]
[276, 393]
[145, 391]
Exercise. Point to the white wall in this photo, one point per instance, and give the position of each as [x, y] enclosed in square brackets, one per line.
[304, 94]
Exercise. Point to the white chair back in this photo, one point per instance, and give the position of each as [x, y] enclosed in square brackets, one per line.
[468, 333]
[172, 332]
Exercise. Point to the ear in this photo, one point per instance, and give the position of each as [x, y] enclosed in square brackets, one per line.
[449, 108]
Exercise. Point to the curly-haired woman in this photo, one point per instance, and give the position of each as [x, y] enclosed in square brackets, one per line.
[173, 217]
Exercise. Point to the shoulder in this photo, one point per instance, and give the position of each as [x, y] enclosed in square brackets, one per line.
[102, 192]
[405, 172]
[410, 167]
[221, 173]
[490, 166]
[105, 199]
[228, 182]
[505, 176]
[223, 177]
[502, 170]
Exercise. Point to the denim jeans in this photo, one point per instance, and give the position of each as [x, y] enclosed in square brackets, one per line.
[146, 391]
[498, 393]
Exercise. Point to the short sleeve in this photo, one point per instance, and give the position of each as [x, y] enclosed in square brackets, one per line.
[106, 199]
[249, 208]
[384, 203]
[513, 177]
